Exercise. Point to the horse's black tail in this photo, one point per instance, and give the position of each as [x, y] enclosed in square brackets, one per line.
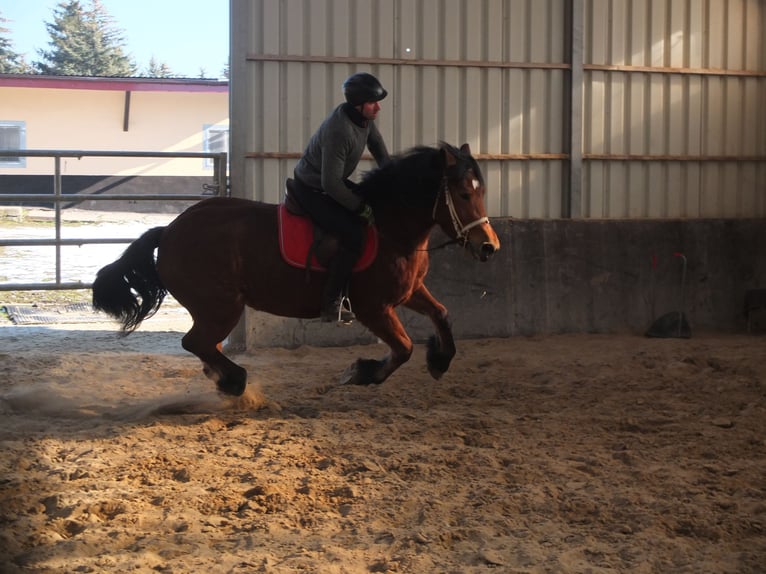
[130, 290]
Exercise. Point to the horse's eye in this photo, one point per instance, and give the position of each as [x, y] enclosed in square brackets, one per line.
[475, 184]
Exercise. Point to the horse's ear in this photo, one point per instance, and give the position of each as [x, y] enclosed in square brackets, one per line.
[448, 156]
[465, 148]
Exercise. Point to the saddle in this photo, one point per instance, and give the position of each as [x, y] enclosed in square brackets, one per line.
[304, 245]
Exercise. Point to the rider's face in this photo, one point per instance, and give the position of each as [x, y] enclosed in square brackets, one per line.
[370, 110]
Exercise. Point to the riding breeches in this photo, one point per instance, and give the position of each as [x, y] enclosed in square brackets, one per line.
[332, 218]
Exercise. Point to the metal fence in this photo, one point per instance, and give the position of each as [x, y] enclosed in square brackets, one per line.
[218, 187]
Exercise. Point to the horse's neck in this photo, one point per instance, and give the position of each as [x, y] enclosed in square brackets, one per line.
[406, 227]
[405, 235]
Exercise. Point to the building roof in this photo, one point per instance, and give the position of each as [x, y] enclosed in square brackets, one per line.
[113, 84]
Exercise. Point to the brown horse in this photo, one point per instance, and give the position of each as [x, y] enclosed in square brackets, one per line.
[222, 254]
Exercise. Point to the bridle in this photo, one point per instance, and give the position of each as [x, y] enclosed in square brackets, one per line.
[461, 231]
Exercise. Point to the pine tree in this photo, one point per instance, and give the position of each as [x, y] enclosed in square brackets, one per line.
[84, 42]
[11, 62]
[158, 70]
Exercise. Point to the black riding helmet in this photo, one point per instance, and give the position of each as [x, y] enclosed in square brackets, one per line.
[363, 87]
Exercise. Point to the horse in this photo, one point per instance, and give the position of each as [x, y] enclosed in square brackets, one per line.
[222, 254]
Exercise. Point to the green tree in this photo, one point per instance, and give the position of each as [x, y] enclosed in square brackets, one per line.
[158, 69]
[84, 42]
[11, 62]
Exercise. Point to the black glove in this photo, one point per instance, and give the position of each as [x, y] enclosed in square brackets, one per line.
[365, 212]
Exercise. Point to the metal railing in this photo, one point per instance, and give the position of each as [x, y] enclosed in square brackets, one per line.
[219, 187]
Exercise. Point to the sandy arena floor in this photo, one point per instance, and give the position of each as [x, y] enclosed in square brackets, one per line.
[562, 454]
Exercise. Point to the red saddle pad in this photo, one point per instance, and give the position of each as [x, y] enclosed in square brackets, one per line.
[296, 234]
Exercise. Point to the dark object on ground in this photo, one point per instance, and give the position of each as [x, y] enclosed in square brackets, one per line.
[673, 324]
[670, 325]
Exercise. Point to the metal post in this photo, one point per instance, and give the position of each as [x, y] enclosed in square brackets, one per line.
[572, 199]
[57, 191]
[220, 174]
[217, 175]
[240, 70]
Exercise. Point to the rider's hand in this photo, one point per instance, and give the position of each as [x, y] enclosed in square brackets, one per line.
[365, 212]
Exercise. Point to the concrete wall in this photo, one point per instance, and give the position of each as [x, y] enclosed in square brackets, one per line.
[557, 276]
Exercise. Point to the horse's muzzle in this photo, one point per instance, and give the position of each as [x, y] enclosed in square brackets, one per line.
[482, 242]
[482, 251]
[486, 251]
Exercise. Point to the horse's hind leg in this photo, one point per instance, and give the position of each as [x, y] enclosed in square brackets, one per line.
[204, 338]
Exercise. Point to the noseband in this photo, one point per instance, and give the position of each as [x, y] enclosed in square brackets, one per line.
[460, 230]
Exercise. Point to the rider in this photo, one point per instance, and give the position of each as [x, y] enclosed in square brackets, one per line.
[324, 190]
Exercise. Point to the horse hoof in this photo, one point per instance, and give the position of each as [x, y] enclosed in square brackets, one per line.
[352, 376]
[435, 373]
[348, 376]
[362, 372]
[438, 361]
[232, 390]
[233, 385]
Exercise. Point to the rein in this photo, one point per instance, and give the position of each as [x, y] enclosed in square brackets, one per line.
[440, 246]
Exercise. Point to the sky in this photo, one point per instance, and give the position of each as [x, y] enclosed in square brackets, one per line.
[187, 35]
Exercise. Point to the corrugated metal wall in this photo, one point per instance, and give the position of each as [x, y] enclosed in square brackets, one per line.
[581, 108]
[674, 108]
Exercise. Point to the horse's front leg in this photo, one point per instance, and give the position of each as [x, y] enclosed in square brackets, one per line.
[389, 329]
[441, 346]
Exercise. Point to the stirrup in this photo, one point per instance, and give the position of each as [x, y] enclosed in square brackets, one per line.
[340, 312]
[345, 314]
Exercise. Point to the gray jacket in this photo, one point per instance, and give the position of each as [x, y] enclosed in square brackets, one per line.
[334, 151]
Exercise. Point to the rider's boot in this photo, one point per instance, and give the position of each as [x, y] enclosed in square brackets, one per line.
[335, 305]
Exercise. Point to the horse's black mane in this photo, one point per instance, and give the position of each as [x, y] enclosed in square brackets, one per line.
[414, 177]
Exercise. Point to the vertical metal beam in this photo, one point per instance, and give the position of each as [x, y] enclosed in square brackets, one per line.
[220, 176]
[239, 33]
[572, 194]
[58, 191]
[126, 112]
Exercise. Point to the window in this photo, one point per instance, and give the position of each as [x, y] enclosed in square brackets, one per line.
[216, 141]
[13, 136]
